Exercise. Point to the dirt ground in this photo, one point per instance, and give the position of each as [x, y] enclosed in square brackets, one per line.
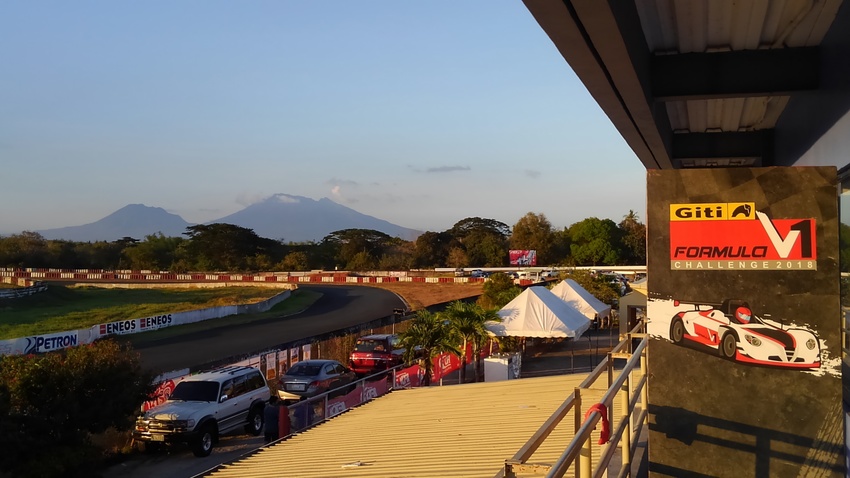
[420, 295]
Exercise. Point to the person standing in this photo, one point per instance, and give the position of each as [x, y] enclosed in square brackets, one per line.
[271, 419]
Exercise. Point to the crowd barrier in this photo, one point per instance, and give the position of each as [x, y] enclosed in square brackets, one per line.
[61, 340]
[96, 275]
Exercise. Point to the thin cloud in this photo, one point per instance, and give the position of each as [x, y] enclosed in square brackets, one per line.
[247, 199]
[447, 169]
[532, 173]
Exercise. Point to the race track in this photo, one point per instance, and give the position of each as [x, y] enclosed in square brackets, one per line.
[339, 307]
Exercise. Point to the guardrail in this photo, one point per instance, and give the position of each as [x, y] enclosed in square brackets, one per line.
[312, 411]
[629, 426]
[19, 292]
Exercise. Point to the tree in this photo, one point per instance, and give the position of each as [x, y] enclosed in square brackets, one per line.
[457, 258]
[51, 404]
[428, 336]
[431, 249]
[633, 233]
[294, 261]
[599, 286]
[483, 241]
[157, 252]
[486, 249]
[498, 291]
[225, 246]
[595, 242]
[348, 243]
[468, 321]
[27, 249]
[362, 261]
[464, 227]
[535, 232]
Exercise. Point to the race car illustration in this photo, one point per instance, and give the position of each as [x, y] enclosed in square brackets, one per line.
[736, 334]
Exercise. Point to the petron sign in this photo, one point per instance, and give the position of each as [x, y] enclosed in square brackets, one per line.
[735, 236]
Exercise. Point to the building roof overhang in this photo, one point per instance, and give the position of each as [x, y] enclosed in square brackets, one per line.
[708, 83]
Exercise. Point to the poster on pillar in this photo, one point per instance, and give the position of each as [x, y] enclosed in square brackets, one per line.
[744, 317]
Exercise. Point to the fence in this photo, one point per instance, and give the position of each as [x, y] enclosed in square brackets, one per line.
[628, 388]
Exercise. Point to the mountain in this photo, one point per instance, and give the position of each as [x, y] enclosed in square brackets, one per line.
[298, 219]
[133, 220]
[282, 217]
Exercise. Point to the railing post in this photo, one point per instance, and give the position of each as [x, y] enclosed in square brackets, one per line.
[578, 420]
[626, 437]
[644, 393]
[586, 458]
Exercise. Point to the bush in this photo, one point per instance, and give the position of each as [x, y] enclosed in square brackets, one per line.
[51, 404]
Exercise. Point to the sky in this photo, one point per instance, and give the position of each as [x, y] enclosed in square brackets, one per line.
[418, 113]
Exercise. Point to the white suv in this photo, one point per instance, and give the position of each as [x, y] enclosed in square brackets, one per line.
[202, 407]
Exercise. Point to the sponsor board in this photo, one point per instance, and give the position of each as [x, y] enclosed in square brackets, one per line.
[335, 408]
[735, 236]
[523, 257]
[50, 342]
[132, 326]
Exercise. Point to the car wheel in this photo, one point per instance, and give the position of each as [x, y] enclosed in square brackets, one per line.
[728, 346]
[255, 421]
[204, 444]
[677, 330]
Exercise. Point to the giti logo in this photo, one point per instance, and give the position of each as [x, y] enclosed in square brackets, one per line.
[721, 211]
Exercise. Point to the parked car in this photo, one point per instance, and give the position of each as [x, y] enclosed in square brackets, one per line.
[373, 353]
[202, 407]
[550, 274]
[309, 378]
[479, 274]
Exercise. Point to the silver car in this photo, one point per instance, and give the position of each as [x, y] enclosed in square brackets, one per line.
[309, 378]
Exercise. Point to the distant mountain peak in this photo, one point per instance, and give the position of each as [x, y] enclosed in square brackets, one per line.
[280, 216]
[286, 198]
[133, 220]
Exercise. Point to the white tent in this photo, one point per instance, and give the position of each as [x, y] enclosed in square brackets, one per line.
[580, 299]
[537, 312]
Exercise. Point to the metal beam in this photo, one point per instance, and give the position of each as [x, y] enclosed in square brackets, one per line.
[735, 74]
[597, 43]
[753, 148]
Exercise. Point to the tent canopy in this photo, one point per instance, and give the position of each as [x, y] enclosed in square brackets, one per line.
[537, 312]
[580, 299]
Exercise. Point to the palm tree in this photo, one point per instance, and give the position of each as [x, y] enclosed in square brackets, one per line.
[485, 316]
[428, 336]
[468, 320]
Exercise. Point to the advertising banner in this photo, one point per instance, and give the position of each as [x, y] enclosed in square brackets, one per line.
[409, 377]
[523, 257]
[271, 366]
[744, 313]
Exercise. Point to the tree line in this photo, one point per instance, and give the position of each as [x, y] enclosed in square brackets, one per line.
[471, 242]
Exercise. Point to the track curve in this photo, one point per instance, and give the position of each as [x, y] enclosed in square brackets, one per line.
[339, 307]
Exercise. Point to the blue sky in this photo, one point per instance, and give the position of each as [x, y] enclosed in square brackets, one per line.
[419, 113]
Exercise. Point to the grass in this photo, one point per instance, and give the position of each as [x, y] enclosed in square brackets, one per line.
[62, 308]
[300, 300]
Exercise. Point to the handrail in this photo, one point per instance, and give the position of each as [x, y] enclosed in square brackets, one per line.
[560, 467]
[573, 401]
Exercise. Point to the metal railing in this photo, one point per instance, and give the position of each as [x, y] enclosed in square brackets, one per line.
[628, 425]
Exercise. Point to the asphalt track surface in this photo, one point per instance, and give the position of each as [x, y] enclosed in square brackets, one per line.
[339, 307]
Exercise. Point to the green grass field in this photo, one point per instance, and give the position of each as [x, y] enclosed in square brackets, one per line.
[62, 308]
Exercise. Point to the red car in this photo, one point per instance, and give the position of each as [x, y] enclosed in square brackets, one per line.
[373, 353]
